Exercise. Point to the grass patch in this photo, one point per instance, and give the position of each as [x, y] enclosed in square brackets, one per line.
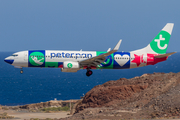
[56, 109]
[5, 116]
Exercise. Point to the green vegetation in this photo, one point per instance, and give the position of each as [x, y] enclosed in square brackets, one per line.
[55, 109]
[5, 116]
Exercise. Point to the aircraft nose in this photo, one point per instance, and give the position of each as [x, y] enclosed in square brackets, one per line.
[8, 60]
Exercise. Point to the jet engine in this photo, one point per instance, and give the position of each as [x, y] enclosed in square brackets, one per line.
[70, 66]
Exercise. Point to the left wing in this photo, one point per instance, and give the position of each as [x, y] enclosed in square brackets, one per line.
[94, 61]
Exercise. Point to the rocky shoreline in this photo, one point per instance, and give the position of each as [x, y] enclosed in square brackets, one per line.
[37, 106]
[44, 110]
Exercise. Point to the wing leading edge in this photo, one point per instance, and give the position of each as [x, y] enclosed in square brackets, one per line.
[97, 60]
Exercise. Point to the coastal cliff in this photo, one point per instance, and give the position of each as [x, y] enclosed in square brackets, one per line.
[148, 96]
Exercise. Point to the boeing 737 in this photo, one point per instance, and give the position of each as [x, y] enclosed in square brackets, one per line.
[72, 61]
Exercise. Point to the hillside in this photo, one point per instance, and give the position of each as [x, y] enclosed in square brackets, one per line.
[148, 96]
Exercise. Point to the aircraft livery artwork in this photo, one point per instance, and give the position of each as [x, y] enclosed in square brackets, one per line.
[72, 61]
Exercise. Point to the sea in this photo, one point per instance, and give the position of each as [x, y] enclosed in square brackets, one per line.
[40, 85]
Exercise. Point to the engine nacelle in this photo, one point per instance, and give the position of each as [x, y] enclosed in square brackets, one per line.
[71, 65]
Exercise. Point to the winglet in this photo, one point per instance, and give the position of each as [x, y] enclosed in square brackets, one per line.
[117, 45]
[109, 50]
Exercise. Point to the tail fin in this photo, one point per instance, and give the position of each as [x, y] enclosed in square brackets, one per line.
[160, 43]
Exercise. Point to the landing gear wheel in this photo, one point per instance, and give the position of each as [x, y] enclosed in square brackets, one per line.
[89, 73]
[21, 71]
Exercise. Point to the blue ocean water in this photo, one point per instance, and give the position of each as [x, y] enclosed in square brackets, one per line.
[41, 85]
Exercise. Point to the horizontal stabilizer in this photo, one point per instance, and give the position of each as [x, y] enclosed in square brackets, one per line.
[164, 55]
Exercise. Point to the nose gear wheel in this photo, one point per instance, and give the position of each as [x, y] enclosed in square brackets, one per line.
[21, 71]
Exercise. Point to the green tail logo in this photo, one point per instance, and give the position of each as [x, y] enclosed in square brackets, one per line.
[160, 42]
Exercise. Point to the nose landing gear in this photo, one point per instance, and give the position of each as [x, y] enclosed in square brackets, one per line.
[89, 73]
[21, 71]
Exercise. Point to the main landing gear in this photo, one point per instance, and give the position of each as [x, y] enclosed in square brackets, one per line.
[89, 72]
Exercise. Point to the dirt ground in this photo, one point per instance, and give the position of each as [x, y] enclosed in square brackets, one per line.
[28, 115]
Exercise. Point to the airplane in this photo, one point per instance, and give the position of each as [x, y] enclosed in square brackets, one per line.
[72, 61]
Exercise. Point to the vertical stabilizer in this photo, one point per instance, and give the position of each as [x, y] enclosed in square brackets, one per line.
[160, 43]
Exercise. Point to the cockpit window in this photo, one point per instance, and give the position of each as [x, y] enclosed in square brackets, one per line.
[14, 55]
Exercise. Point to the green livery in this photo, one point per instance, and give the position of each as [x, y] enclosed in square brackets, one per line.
[36, 58]
[108, 63]
[160, 42]
[51, 64]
